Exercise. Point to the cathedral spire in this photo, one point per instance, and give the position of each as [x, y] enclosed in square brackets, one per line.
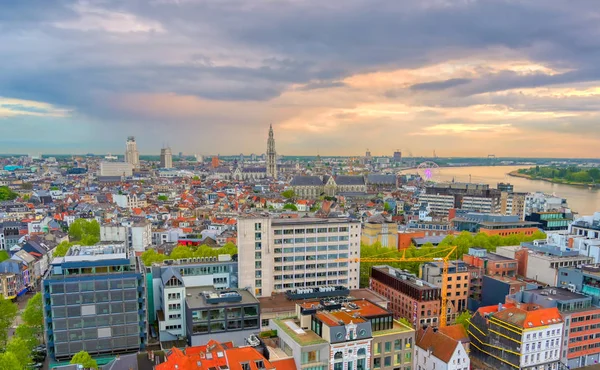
[271, 155]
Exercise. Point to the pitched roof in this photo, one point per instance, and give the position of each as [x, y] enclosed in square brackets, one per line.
[441, 345]
[306, 181]
[529, 319]
[382, 179]
[350, 180]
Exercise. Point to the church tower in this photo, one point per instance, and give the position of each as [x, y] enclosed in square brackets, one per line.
[271, 155]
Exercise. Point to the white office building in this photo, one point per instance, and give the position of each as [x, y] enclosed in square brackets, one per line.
[115, 169]
[276, 255]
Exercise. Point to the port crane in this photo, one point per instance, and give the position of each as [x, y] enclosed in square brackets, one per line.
[444, 252]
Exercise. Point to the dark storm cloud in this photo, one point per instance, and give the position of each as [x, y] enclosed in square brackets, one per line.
[277, 44]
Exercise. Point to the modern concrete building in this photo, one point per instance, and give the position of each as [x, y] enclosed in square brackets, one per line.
[581, 340]
[540, 261]
[584, 279]
[457, 285]
[494, 224]
[282, 254]
[552, 220]
[132, 156]
[115, 169]
[410, 297]
[166, 158]
[94, 300]
[220, 315]
[509, 337]
[513, 204]
[475, 197]
[137, 235]
[169, 283]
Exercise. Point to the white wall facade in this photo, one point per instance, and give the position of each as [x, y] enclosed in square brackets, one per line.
[425, 360]
[541, 346]
[271, 261]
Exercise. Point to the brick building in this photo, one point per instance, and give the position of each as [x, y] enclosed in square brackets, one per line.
[410, 297]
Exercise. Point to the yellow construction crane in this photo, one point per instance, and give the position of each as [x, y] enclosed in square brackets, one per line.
[444, 252]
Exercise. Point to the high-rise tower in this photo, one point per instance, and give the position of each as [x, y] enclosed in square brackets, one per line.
[271, 155]
[132, 156]
[166, 158]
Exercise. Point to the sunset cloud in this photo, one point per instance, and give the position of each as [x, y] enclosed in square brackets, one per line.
[336, 77]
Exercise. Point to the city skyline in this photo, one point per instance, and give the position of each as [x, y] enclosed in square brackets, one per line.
[464, 78]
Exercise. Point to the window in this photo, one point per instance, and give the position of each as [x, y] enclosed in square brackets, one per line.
[377, 349]
[387, 361]
[388, 347]
[377, 363]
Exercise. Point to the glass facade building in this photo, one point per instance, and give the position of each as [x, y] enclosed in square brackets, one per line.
[94, 300]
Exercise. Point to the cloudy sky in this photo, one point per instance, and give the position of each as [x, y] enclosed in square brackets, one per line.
[461, 77]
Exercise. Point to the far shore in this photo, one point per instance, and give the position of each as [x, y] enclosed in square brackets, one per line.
[525, 176]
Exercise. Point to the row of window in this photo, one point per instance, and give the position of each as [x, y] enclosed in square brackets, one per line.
[59, 312]
[204, 270]
[318, 257]
[219, 326]
[311, 284]
[311, 275]
[320, 248]
[535, 358]
[95, 321]
[311, 266]
[88, 286]
[586, 318]
[91, 297]
[549, 343]
[584, 337]
[319, 230]
[584, 348]
[99, 345]
[548, 333]
[220, 313]
[321, 239]
[93, 333]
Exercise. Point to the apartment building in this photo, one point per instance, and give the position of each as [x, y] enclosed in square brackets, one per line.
[170, 282]
[343, 334]
[121, 169]
[513, 204]
[540, 261]
[584, 279]
[552, 220]
[581, 340]
[11, 284]
[276, 255]
[457, 284]
[220, 315]
[508, 337]
[442, 349]
[411, 298]
[475, 197]
[94, 300]
[494, 224]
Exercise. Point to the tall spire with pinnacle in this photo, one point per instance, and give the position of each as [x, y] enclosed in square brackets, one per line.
[271, 155]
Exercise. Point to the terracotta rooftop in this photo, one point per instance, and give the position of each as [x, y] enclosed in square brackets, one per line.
[441, 345]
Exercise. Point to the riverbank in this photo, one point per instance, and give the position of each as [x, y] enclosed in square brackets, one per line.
[516, 173]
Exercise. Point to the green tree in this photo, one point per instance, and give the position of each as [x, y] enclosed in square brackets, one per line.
[196, 178]
[29, 334]
[387, 207]
[8, 312]
[290, 206]
[464, 319]
[84, 231]
[289, 194]
[180, 252]
[4, 255]
[21, 349]
[8, 361]
[150, 256]
[83, 358]
[163, 198]
[7, 194]
[62, 249]
[33, 314]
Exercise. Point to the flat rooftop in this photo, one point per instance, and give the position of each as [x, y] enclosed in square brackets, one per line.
[557, 294]
[310, 221]
[195, 298]
[409, 279]
[302, 336]
[280, 303]
[104, 251]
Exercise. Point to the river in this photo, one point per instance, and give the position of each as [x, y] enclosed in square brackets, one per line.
[581, 199]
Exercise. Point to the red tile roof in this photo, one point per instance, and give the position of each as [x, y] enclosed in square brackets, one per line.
[441, 345]
[216, 354]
